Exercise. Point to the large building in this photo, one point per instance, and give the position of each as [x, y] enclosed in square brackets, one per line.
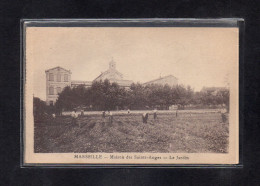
[114, 76]
[166, 80]
[58, 78]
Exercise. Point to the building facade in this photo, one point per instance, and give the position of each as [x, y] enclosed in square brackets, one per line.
[58, 78]
[166, 80]
[77, 83]
[114, 76]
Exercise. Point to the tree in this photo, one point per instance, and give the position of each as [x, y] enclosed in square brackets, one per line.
[138, 96]
[104, 95]
[70, 98]
[97, 95]
[39, 107]
[223, 97]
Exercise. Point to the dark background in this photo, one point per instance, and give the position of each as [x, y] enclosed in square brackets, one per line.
[10, 14]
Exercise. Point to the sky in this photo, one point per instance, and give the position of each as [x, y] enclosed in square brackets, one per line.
[197, 56]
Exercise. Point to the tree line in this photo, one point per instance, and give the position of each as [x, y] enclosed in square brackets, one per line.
[103, 95]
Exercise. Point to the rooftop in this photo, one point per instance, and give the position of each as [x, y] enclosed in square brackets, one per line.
[59, 68]
[160, 78]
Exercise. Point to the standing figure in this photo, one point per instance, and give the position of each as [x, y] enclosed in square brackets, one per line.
[80, 117]
[110, 117]
[223, 115]
[82, 112]
[53, 118]
[145, 117]
[154, 113]
[74, 117]
[103, 114]
[128, 111]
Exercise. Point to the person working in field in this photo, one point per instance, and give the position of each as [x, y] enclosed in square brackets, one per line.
[53, 118]
[82, 112]
[155, 114]
[74, 116]
[145, 117]
[103, 114]
[79, 116]
[110, 117]
[223, 115]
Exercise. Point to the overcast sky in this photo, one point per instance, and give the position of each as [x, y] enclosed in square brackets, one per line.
[196, 56]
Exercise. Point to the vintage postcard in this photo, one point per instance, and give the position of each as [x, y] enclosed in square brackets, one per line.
[131, 95]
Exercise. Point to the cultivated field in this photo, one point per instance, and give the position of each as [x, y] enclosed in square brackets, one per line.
[197, 132]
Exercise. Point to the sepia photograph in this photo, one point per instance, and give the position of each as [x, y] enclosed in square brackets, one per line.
[131, 95]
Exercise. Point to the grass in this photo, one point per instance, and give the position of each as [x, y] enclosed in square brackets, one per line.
[195, 133]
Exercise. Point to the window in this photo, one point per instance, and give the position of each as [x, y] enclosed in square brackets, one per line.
[66, 78]
[58, 90]
[51, 77]
[51, 90]
[58, 77]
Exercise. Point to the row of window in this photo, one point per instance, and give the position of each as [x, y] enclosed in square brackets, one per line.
[51, 77]
[51, 90]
